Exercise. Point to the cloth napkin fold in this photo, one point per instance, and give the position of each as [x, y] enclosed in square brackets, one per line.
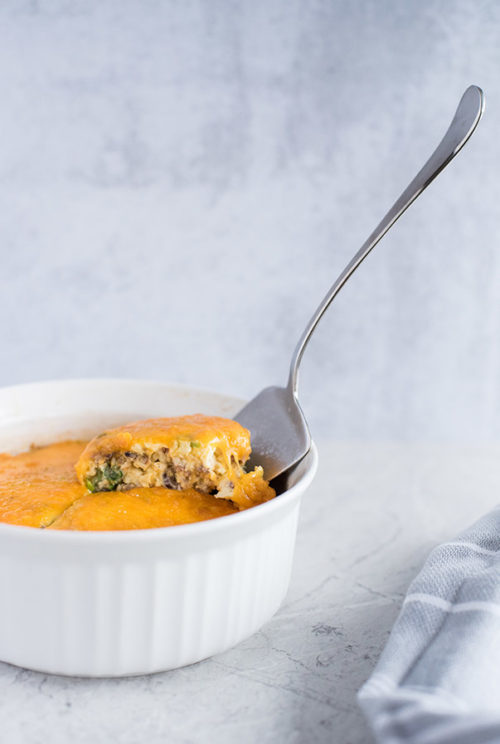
[438, 679]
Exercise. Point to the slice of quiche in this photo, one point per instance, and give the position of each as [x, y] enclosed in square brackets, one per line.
[205, 453]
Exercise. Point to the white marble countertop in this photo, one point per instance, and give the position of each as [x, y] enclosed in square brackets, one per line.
[372, 515]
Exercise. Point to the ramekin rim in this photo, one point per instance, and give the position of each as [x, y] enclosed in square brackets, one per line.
[120, 381]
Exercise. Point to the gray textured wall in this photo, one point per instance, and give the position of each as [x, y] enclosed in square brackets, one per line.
[180, 182]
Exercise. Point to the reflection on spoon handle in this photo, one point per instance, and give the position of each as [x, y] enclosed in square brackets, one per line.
[466, 119]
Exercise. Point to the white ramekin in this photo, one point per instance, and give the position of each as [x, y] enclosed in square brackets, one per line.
[138, 601]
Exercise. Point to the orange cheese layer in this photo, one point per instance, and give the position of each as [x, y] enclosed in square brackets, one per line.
[39, 488]
[229, 436]
[141, 508]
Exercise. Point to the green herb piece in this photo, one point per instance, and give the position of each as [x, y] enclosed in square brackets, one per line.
[92, 484]
[104, 479]
[114, 476]
[195, 444]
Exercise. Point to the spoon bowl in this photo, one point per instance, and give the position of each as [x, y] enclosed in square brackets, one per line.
[280, 435]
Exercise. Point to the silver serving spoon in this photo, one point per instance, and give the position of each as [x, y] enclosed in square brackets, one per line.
[279, 432]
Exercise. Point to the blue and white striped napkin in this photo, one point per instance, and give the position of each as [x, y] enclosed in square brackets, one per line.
[438, 679]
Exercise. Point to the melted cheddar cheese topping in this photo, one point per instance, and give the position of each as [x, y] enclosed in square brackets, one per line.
[37, 486]
[41, 488]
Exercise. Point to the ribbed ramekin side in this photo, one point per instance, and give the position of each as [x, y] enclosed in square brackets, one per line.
[107, 617]
[227, 593]
[205, 602]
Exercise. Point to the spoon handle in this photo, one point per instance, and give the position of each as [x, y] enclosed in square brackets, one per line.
[466, 119]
